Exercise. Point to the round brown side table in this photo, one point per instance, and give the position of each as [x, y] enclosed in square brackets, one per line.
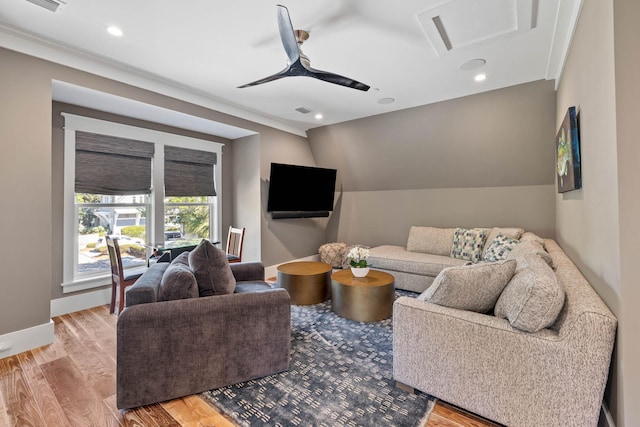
[307, 282]
[365, 299]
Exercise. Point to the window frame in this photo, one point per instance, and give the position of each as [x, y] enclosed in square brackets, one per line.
[71, 282]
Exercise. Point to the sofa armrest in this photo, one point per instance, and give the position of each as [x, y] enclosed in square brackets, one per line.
[176, 348]
[247, 271]
[483, 364]
[145, 289]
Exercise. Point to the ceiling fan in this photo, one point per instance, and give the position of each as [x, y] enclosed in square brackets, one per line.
[298, 63]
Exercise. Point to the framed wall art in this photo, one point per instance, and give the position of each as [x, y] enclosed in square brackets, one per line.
[568, 170]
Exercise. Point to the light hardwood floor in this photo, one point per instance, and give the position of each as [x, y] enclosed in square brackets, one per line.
[72, 382]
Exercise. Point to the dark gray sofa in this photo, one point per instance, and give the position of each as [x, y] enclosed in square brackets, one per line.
[170, 349]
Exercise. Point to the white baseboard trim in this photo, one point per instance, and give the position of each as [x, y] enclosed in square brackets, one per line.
[26, 339]
[606, 418]
[79, 302]
[272, 270]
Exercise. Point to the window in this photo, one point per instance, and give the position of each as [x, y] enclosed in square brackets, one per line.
[141, 185]
[123, 216]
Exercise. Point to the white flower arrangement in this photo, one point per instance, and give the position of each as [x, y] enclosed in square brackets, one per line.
[358, 256]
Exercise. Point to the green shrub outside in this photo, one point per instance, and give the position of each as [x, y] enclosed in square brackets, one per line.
[134, 231]
[127, 248]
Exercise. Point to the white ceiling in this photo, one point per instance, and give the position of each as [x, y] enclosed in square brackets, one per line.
[201, 50]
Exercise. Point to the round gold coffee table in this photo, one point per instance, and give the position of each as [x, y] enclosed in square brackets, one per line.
[365, 299]
[306, 281]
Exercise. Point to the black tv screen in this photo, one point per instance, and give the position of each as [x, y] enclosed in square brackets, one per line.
[300, 189]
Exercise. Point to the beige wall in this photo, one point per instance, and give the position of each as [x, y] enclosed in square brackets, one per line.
[597, 226]
[245, 180]
[25, 173]
[33, 270]
[481, 160]
[627, 61]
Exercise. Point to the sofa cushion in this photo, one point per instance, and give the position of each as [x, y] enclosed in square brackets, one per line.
[468, 243]
[251, 286]
[533, 298]
[178, 282]
[511, 232]
[397, 258]
[499, 248]
[211, 268]
[529, 236]
[530, 247]
[474, 287]
[430, 240]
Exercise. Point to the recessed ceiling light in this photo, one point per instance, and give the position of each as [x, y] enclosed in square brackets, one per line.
[480, 77]
[318, 116]
[473, 64]
[114, 31]
[386, 101]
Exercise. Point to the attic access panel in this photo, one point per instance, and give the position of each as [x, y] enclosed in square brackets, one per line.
[457, 24]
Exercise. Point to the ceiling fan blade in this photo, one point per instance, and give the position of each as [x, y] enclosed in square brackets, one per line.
[338, 79]
[287, 35]
[281, 74]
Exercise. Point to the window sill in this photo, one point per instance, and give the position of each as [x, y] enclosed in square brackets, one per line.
[82, 284]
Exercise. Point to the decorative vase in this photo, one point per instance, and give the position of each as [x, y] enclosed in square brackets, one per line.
[360, 271]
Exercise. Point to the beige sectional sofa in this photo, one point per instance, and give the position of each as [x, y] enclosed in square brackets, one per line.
[539, 357]
[427, 253]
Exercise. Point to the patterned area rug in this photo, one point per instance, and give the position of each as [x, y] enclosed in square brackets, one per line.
[340, 375]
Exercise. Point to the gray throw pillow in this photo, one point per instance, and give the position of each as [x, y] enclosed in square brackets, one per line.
[533, 298]
[473, 287]
[211, 268]
[178, 282]
[183, 259]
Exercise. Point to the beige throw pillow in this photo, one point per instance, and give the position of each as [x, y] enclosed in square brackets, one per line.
[430, 240]
[473, 287]
[211, 268]
[533, 298]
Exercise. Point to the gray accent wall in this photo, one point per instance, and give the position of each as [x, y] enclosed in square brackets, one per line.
[479, 161]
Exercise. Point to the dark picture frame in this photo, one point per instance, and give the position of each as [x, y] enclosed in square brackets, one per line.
[568, 170]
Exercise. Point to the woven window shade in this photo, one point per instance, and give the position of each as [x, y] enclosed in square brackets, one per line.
[188, 172]
[112, 165]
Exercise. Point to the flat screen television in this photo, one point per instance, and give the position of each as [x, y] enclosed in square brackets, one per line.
[300, 191]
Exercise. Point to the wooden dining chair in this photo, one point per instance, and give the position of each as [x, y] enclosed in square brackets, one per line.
[120, 278]
[235, 239]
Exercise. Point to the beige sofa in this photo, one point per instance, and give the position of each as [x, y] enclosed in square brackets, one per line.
[428, 252]
[554, 376]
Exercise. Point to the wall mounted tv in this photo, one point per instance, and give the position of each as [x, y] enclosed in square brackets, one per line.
[300, 191]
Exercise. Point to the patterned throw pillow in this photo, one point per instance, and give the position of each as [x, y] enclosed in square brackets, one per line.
[468, 243]
[500, 248]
